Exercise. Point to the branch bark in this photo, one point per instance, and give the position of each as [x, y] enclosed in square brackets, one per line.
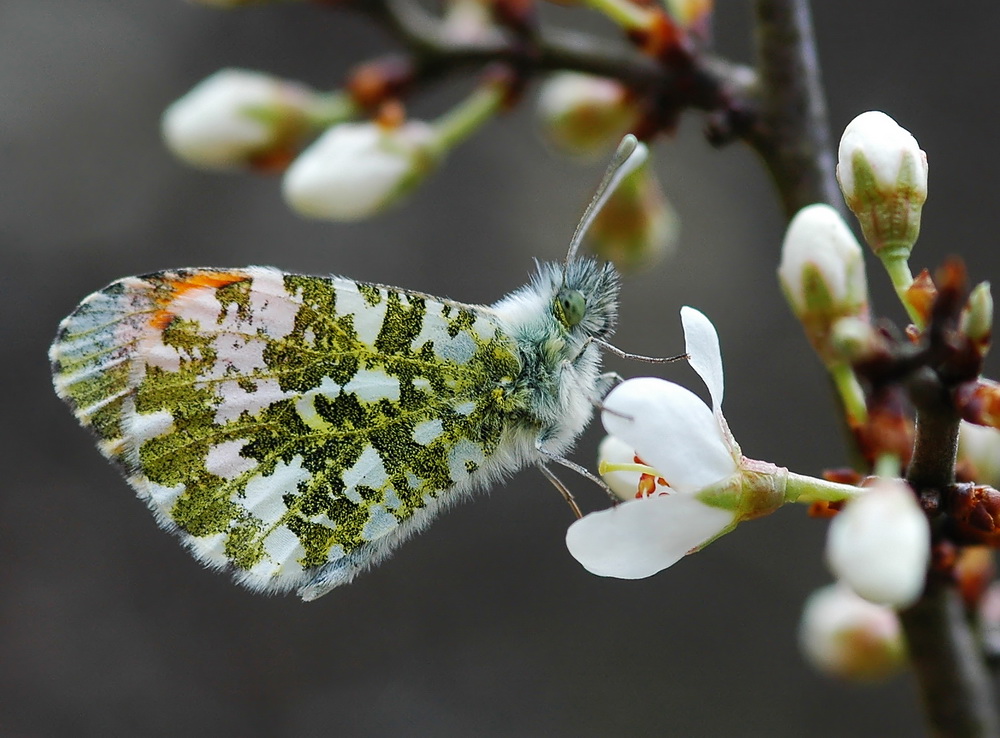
[792, 134]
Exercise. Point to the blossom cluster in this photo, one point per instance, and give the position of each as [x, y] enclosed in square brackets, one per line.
[684, 481]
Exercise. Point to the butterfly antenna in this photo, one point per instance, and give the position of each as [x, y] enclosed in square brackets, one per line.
[631, 154]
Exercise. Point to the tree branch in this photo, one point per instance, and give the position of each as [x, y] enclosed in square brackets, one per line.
[420, 33]
[955, 686]
[791, 133]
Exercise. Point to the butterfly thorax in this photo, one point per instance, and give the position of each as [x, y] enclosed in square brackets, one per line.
[559, 382]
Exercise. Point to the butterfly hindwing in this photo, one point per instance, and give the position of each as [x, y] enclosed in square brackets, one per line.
[293, 428]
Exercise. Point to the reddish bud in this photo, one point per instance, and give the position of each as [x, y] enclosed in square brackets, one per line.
[374, 82]
[974, 570]
[979, 402]
[922, 294]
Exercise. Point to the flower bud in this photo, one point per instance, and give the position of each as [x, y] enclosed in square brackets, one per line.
[637, 225]
[848, 637]
[691, 14]
[883, 174]
[977, 318]
[355, 170]
[822, 271]
[973, 572]
[856, 339]
[468, 21]
[880, 545]
[584, 115]
[979, 447]
[236, 117]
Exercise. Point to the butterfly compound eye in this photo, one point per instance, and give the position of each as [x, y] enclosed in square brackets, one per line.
[570, 307]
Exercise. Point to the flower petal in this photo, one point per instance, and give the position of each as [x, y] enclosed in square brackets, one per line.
[636, 539]
[672, 430]
[701, 342]
[625, 484]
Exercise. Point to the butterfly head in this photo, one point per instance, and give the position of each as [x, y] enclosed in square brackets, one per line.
[585, 298]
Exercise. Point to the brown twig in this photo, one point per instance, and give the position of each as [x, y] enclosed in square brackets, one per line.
[555, 49]
[791, 133]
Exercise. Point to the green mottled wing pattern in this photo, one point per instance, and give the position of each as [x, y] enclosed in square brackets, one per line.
[293, 428]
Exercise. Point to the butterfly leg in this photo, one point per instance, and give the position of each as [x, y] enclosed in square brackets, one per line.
[563, 490]
[582, 471]
[608, 381]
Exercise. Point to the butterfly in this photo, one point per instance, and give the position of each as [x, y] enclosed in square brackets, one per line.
[295, 429]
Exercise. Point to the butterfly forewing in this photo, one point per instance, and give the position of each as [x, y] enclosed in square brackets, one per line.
[285, 423]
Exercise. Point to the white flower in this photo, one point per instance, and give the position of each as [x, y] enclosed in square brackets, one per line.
[354, 170]
[879, 545]
[685, 443]
[822, 268]
[979, 445]
[584, 114]
[846, 636]
[883, 174]
[234, 116]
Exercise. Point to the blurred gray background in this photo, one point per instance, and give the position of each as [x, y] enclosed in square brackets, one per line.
[483, 625]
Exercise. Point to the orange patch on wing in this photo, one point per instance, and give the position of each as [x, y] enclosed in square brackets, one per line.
[196, 280]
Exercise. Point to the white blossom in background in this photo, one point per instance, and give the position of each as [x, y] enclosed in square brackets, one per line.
[355, 170]
[883, 174]
[583, 114]
[235, 115]
[979, 445]
[469, 21]
[846, 636]
[709, 486]
[822, 269]
[879, 545]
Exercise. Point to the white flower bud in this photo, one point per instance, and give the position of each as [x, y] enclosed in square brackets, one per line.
[880, 545]
[236, 116]
[883, 174]
[822, 270]
[977, 318]
[848, 637]
[582, 114]
[979, 445]
[469, 21]
[637, 225]
[355, 170]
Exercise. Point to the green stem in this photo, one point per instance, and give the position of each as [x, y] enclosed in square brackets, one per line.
[851, 393]
[626, 14]
[470, 115]
[899, 272]
[806, 489]
[332, 108]
[888, 465]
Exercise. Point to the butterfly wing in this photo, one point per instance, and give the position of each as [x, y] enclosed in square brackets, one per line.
[292, 428]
